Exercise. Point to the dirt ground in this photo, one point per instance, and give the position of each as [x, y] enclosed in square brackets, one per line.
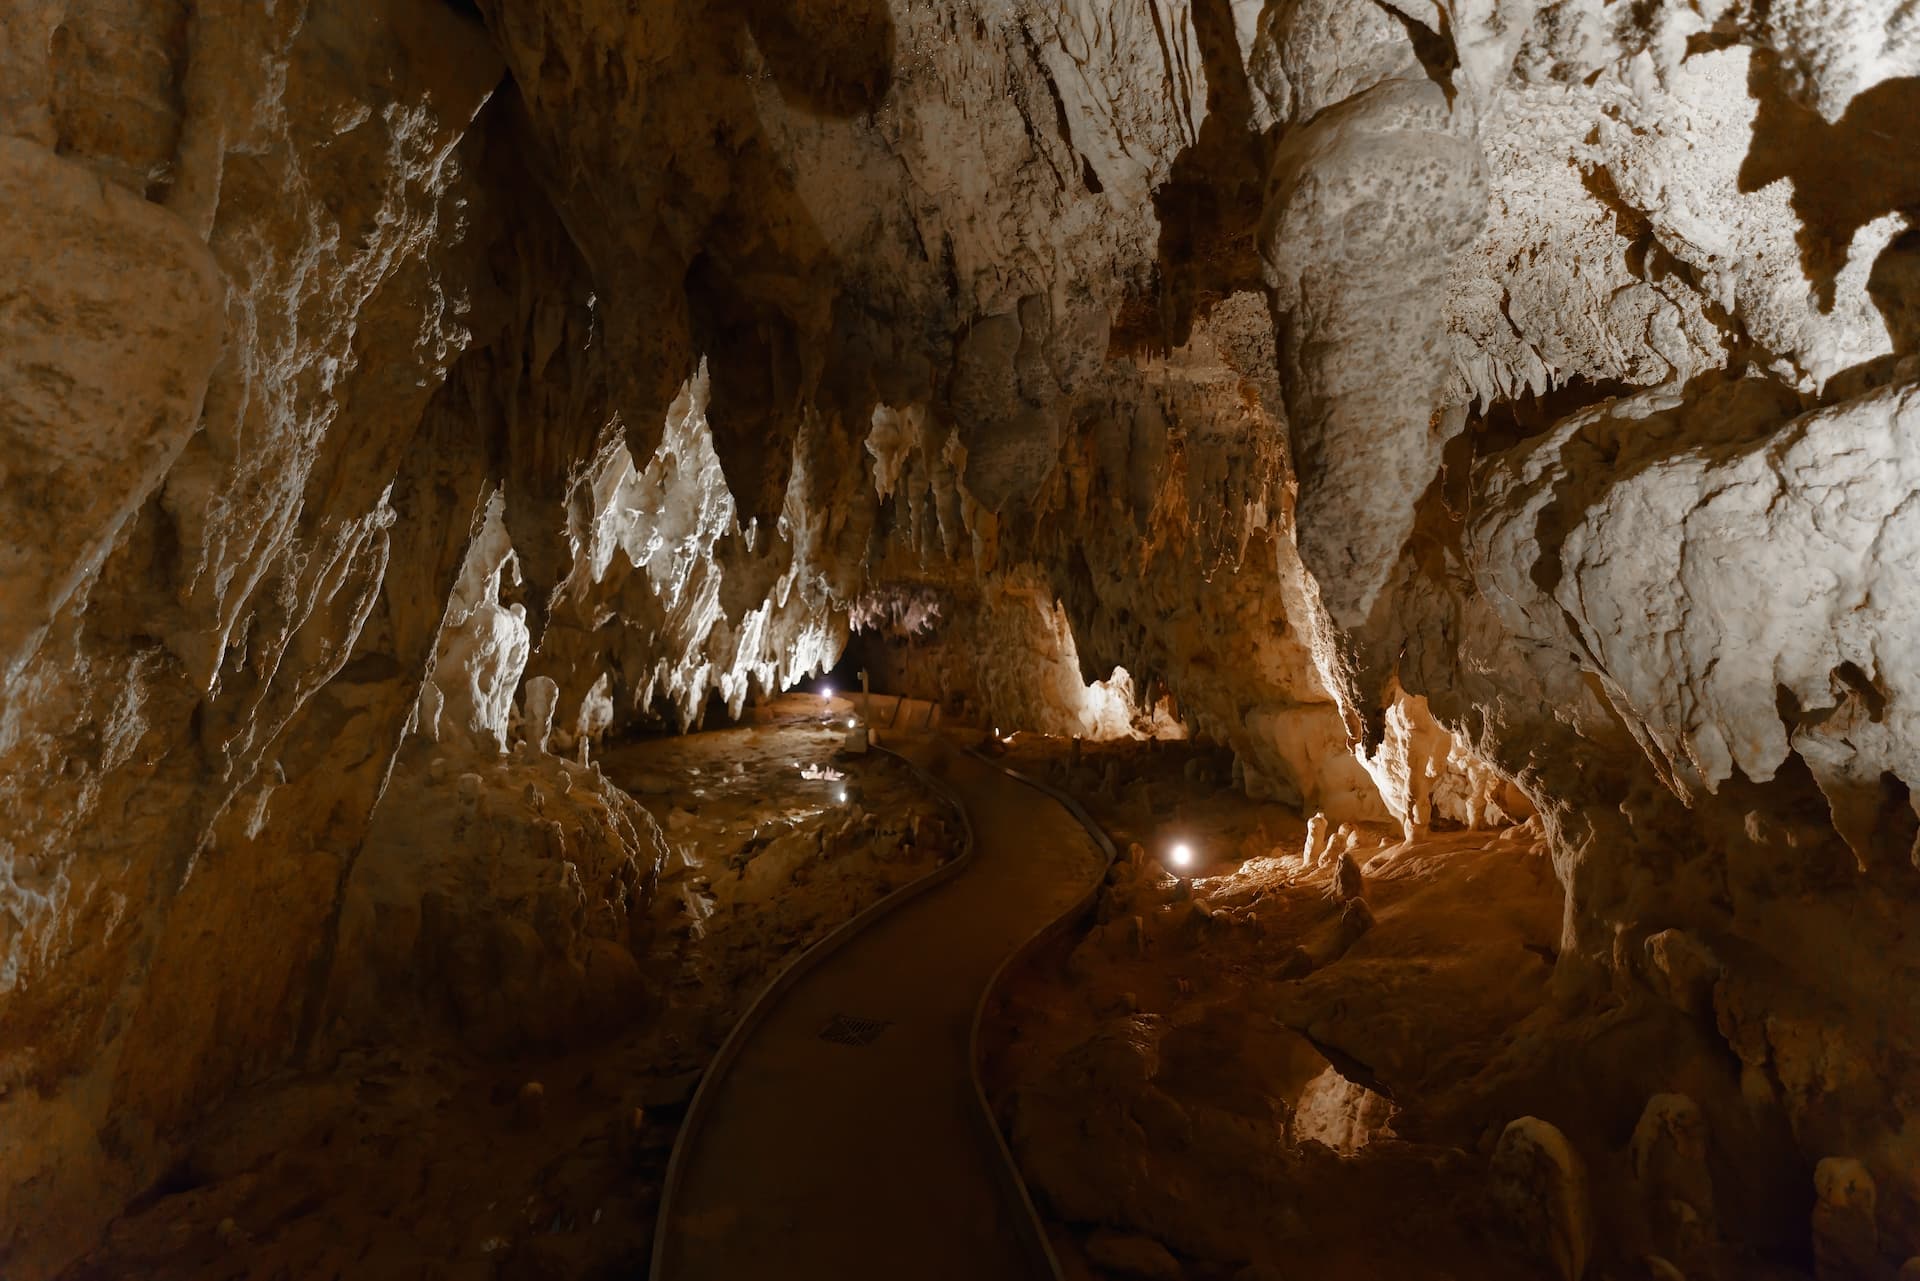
[441, 1137]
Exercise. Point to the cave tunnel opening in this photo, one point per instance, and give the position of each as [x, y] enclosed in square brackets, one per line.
[844, 677]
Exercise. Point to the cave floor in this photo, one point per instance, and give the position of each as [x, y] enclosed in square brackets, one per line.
[1220, 1077]
[411, 1153]
[844, 1141]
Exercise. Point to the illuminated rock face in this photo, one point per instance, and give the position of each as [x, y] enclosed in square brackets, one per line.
[468, 698]
[1454, 412]
[706, 603]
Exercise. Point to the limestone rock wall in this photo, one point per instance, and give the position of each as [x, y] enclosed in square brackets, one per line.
[238, 484]
[673, 591]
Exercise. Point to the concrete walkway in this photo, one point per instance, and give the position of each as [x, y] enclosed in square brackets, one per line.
[862, 1153]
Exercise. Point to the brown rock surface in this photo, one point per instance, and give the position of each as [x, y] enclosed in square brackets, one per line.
[1481, 436]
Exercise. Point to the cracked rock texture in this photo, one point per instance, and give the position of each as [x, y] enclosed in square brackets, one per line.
[1456, 410]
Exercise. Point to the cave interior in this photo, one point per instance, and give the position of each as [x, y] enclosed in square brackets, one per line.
[1228, 640]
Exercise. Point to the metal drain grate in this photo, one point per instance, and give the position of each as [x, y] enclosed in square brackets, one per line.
[845, 1029]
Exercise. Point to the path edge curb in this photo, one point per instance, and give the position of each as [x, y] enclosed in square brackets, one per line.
[1016, 1185]
[796, 969]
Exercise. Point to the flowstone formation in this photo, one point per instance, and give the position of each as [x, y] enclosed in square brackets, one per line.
[1462, 414]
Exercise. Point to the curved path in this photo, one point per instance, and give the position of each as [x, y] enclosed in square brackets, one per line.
[868, 1155]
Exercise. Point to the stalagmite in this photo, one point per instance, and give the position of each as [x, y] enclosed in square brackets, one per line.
[1346, 883]
[1670, 1160]
[1317, 838]
[542, 695]
[1540, 1182]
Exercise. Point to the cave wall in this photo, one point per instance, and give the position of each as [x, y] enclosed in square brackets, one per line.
[1434, 399]
[239, 480]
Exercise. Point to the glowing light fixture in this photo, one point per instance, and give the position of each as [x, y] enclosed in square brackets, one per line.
[840, 794]
[852, 723]
[1181, 855]
[826, 691]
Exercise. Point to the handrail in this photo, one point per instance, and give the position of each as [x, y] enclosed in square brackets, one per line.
[1017, 1186]
[756, 1013]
